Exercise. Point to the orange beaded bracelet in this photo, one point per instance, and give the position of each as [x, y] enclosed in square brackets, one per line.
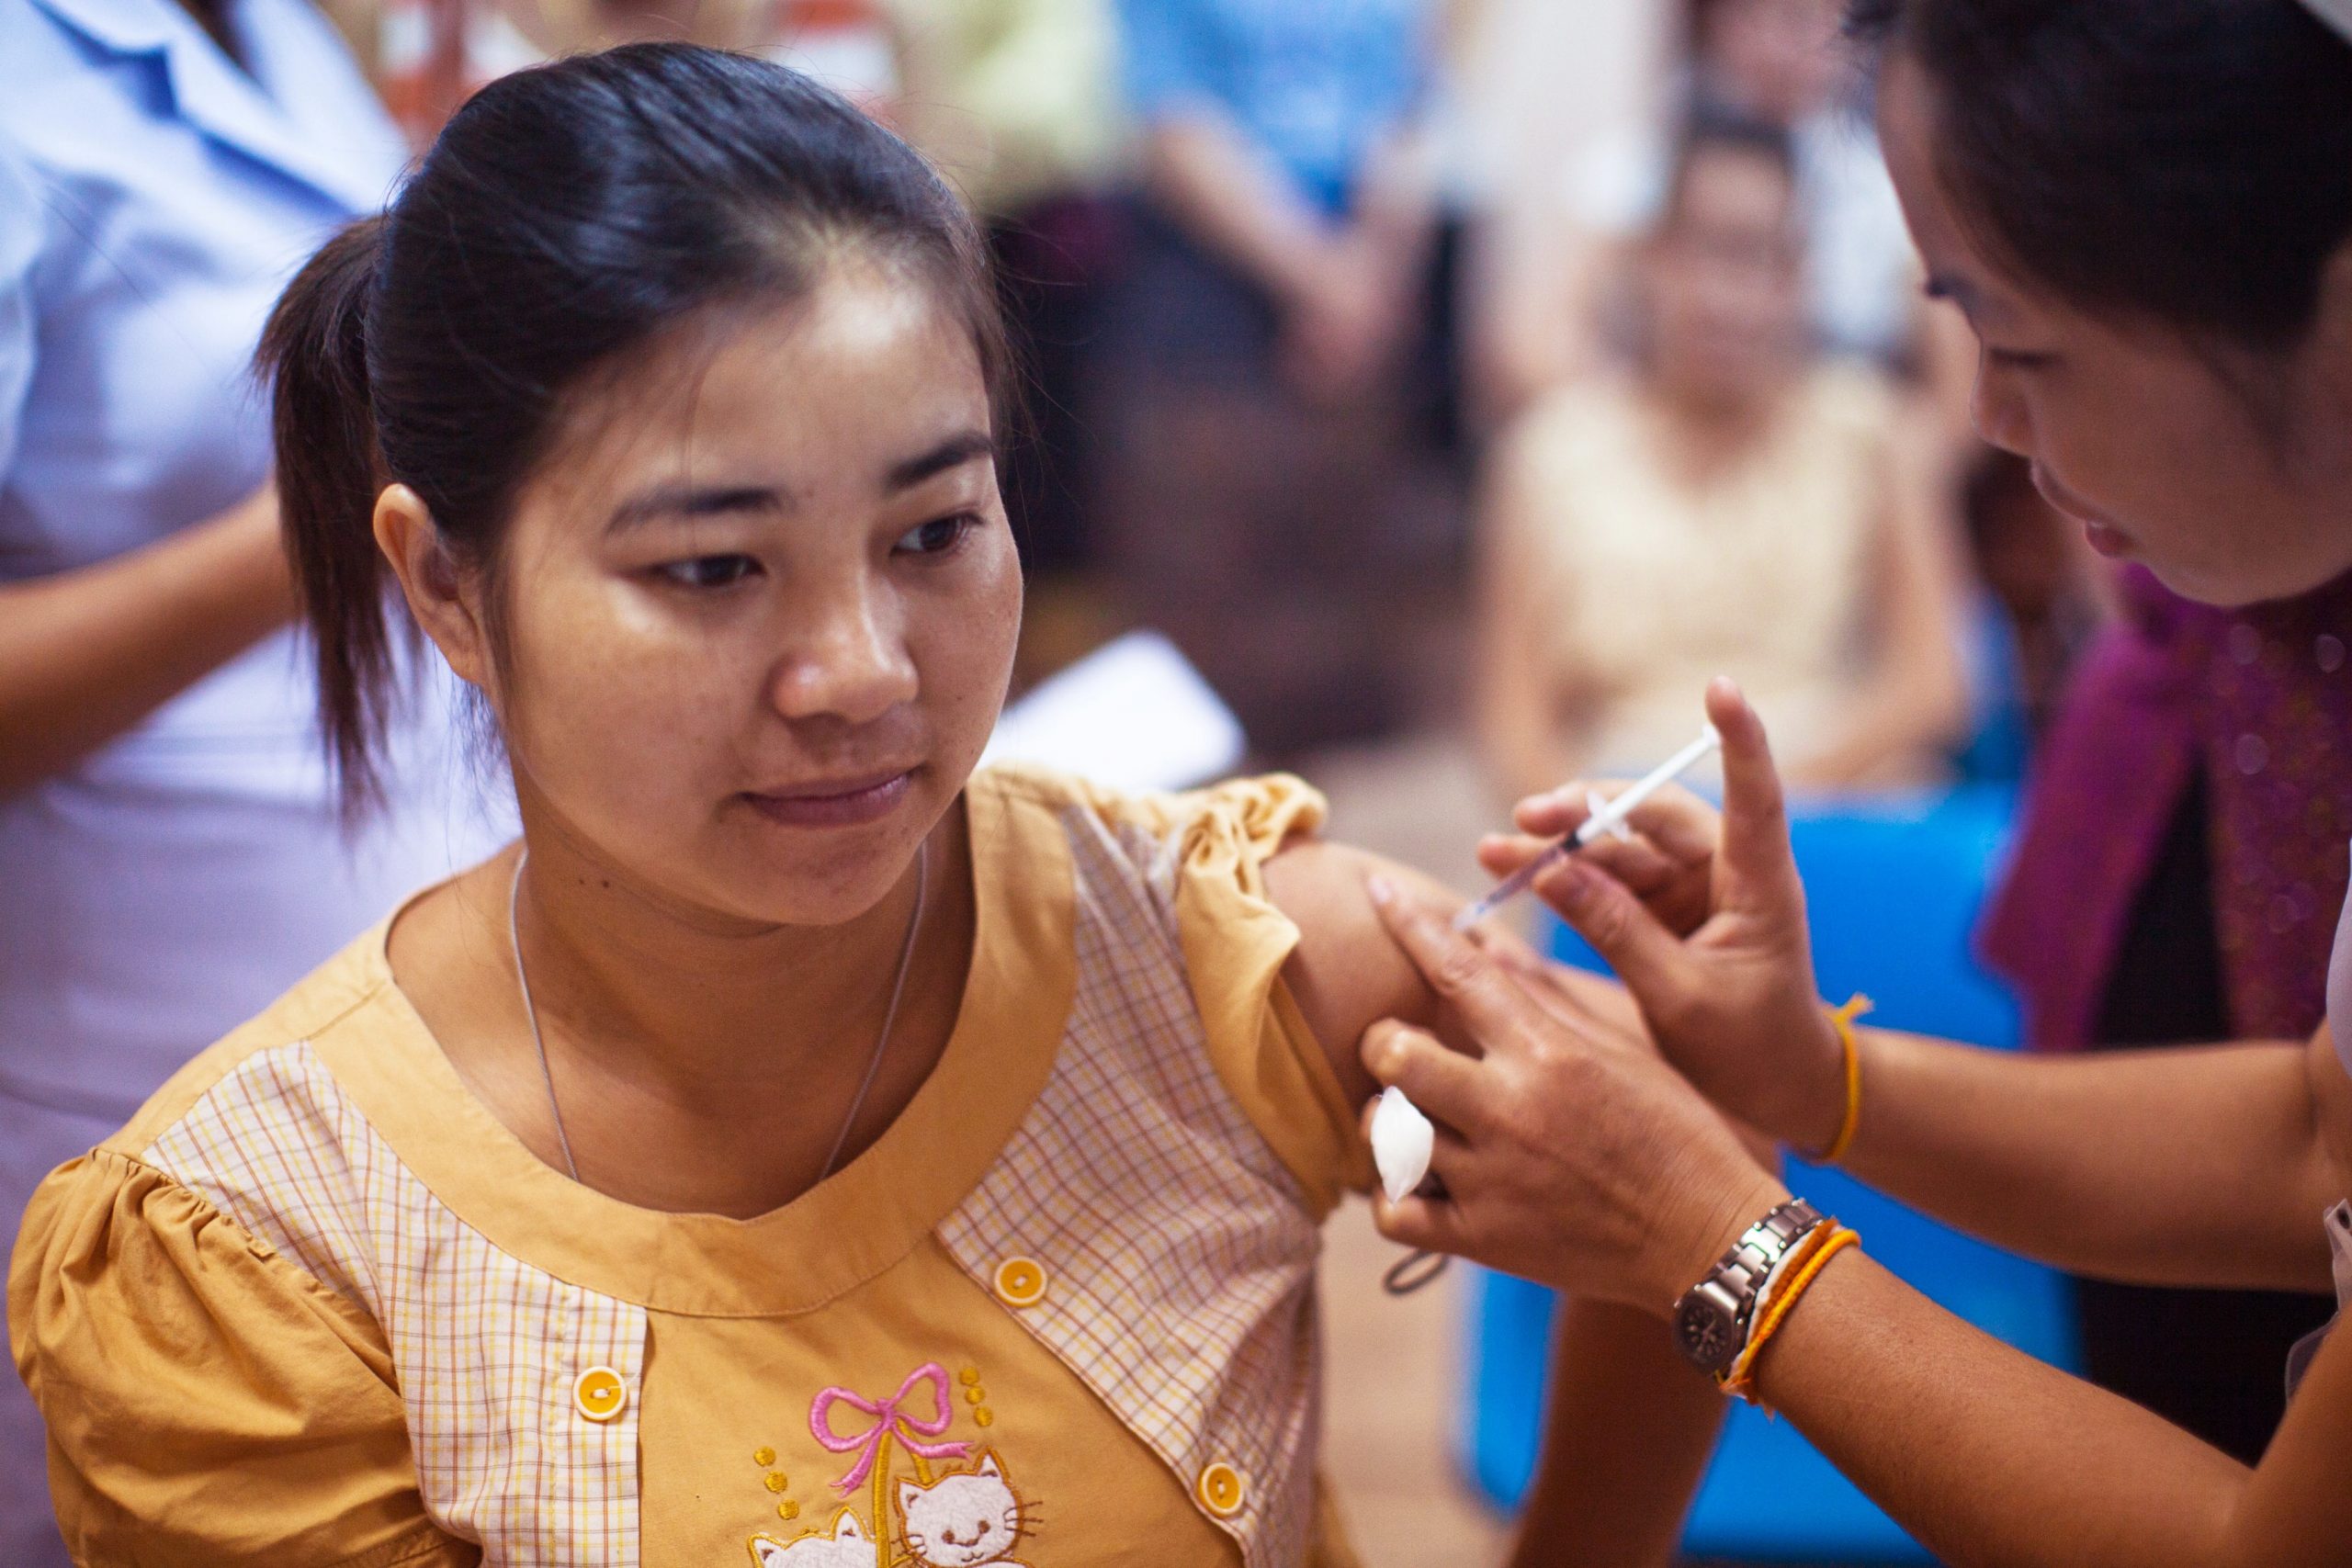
[1811, 1258]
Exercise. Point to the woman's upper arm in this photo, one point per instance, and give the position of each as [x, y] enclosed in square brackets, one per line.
[1346, 973]
[2328, 1178]
[207, 1399]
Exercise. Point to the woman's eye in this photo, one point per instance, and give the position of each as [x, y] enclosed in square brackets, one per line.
[709, 571]
[937, 537]
[2018, 359]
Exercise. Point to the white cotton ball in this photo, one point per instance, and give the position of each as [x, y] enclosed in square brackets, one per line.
[1402, 1139]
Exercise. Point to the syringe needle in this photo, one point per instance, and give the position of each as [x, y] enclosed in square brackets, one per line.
[1605, 820]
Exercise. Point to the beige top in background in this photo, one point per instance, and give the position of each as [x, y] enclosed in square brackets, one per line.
[1645, 579]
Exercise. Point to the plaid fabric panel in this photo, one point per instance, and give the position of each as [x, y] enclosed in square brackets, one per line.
[1178, 1254]
[487, 1349]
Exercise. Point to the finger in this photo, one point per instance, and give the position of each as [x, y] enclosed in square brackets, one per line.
[1629, 938]
[1423, 1223]
[1677, 823]
[1511, 949]
[1442, 1082]
[1456, 968]
[1534, 974]
[1636, 863]
[1756, 853]
[1501, 853]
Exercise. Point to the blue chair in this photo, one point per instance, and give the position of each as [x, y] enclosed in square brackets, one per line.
[1894, 890]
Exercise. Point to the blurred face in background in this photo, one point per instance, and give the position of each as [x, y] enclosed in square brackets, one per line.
[1778, 60]
[1722, 281]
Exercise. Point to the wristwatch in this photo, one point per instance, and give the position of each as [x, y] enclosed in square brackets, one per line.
[1711, 1320]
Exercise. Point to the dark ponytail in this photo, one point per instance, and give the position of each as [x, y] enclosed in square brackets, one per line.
[315, 354]
[2185, 162]
[566, 217]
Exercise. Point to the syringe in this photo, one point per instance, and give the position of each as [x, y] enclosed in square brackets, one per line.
[1606, 819]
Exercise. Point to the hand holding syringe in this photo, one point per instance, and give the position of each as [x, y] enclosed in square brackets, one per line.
[1402, 1138]
[1607, 819]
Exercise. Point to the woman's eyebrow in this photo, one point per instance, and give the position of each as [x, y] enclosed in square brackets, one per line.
[691, 501]
[963, 447]
[1975, 303]
[1941, 286]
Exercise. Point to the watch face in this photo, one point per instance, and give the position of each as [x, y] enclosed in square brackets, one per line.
[1704, 1333]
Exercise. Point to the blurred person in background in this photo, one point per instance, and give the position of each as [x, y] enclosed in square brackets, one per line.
[174, 855]
[1733, 503]
[428, 56]
[1773, 60]
[1015, 100]
[1267, 500]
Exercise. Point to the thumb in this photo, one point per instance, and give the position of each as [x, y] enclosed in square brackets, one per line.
[1646, 955]
[1758, 866]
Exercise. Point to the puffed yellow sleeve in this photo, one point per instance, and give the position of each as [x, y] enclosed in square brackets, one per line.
[208, 1401]
[1236, 942]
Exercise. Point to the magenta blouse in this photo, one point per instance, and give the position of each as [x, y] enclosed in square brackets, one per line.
[2262, 698]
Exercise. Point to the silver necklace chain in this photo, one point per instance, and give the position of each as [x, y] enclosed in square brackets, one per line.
[873, 1065]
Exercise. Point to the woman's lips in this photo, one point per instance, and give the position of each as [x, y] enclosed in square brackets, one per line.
[2105, 538]
[849, 803]
[2111, 543]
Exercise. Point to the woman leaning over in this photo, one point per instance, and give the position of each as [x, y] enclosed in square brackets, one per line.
[2146, 214]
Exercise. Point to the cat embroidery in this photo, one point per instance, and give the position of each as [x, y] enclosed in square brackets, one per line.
[965, 1518]
[844, 1544]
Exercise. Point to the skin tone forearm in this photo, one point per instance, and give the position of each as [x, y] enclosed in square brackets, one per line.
[1628, 1433]
[2000, 1460]
[85, 655]
[1518, 727]
[1343, 291]
[1526, 715]
[2207, 1166]
[1232, 200]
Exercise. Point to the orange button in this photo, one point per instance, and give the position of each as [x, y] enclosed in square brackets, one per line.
[600, 1395]
[1223, 1490]
[1020, 1282]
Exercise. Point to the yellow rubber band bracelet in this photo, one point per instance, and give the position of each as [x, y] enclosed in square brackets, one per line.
[1851, 1121]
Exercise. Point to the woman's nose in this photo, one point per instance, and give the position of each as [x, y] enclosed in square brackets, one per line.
[850, 663]
[1999, 412]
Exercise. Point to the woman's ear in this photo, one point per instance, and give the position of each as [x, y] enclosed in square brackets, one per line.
[444, 600]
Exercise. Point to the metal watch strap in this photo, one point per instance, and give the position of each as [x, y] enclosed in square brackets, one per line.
[1713, 1319]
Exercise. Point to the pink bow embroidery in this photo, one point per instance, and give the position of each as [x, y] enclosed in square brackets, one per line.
[889, 1421]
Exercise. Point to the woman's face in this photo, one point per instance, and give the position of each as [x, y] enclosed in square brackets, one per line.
[760, 602]
[1723, 281]
[2150, 443]
[1779, 58]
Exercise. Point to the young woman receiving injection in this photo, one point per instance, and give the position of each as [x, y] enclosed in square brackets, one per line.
[799, 1147]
